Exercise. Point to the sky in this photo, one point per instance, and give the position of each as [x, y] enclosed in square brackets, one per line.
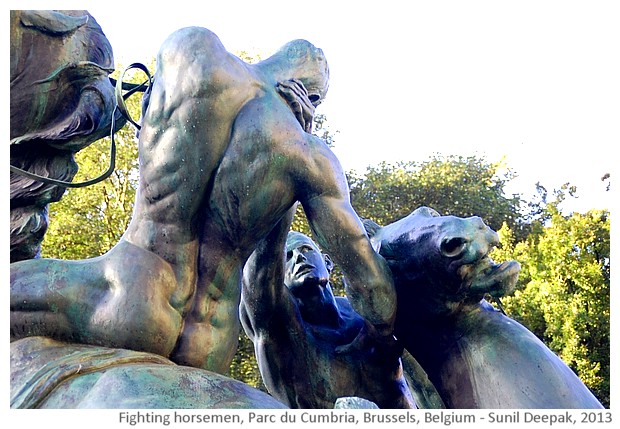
[532, 82]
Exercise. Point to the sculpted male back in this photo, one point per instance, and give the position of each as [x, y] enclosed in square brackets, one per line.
[271, 162]
[224, 153]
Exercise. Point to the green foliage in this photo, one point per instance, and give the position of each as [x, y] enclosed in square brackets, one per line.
[244, 366]
[453, 185]
[250, 57]
[564, 290]
[322, 130]
[87, 222]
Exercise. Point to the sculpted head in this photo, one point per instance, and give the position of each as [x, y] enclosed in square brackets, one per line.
[61, 94]
[305, 263]
[307, 270]
[440, 263]
[300, 59]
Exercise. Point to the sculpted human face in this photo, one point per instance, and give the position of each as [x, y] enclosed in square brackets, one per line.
[301, 60]
[307, 270]
[316, 77]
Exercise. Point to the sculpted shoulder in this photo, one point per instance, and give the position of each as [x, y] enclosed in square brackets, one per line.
[310, 164]
[322, 170]
[196, 63]
[266, 124]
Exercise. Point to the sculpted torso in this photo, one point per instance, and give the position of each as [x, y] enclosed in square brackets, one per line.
[306, 340]
[222, 158]
[304, 367]
[255, 185]
[183, 138]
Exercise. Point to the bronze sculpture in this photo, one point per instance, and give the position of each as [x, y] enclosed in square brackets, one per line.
[298, 326]
[50, 374]
[61, 101]
[225, 153]
[223, 156]
[476, 356]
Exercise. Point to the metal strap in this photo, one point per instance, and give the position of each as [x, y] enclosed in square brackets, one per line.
[122, 108]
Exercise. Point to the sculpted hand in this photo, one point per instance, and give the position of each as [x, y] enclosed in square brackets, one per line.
[368, 340]
[296, 95]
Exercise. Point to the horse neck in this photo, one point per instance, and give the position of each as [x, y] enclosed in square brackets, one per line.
[427, 325]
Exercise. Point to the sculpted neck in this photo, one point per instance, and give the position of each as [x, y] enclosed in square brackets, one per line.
[321, 314]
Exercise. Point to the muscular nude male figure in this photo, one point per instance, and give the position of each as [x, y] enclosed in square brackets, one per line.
[224, 152]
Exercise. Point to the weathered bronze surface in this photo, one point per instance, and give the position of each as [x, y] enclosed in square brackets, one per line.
[61, 101]
[224, 154]
[299, 329]
[50, 374]
[476, 356]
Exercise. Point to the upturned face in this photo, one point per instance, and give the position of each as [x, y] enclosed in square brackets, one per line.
[307, 270]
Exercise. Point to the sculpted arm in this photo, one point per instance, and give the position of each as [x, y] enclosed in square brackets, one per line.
[340, 232]
[263, 292]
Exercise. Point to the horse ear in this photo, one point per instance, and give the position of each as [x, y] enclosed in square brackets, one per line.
[51, 22]
[426, 211]
[371, 227]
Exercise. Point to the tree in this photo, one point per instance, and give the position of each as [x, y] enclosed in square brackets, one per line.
[564, 289]
[453, 185]
[244, 366]
[87, 222]
[322, 130]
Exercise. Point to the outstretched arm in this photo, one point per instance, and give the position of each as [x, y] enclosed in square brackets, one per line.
[340, 232]
[263, 292]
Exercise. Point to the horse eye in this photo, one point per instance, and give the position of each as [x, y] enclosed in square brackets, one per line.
[452, 246]
[289, 255]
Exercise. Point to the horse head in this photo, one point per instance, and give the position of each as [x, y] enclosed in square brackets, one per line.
[441, 263]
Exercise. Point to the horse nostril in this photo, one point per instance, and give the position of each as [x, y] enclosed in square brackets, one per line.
[493, 237]
[452, 246]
